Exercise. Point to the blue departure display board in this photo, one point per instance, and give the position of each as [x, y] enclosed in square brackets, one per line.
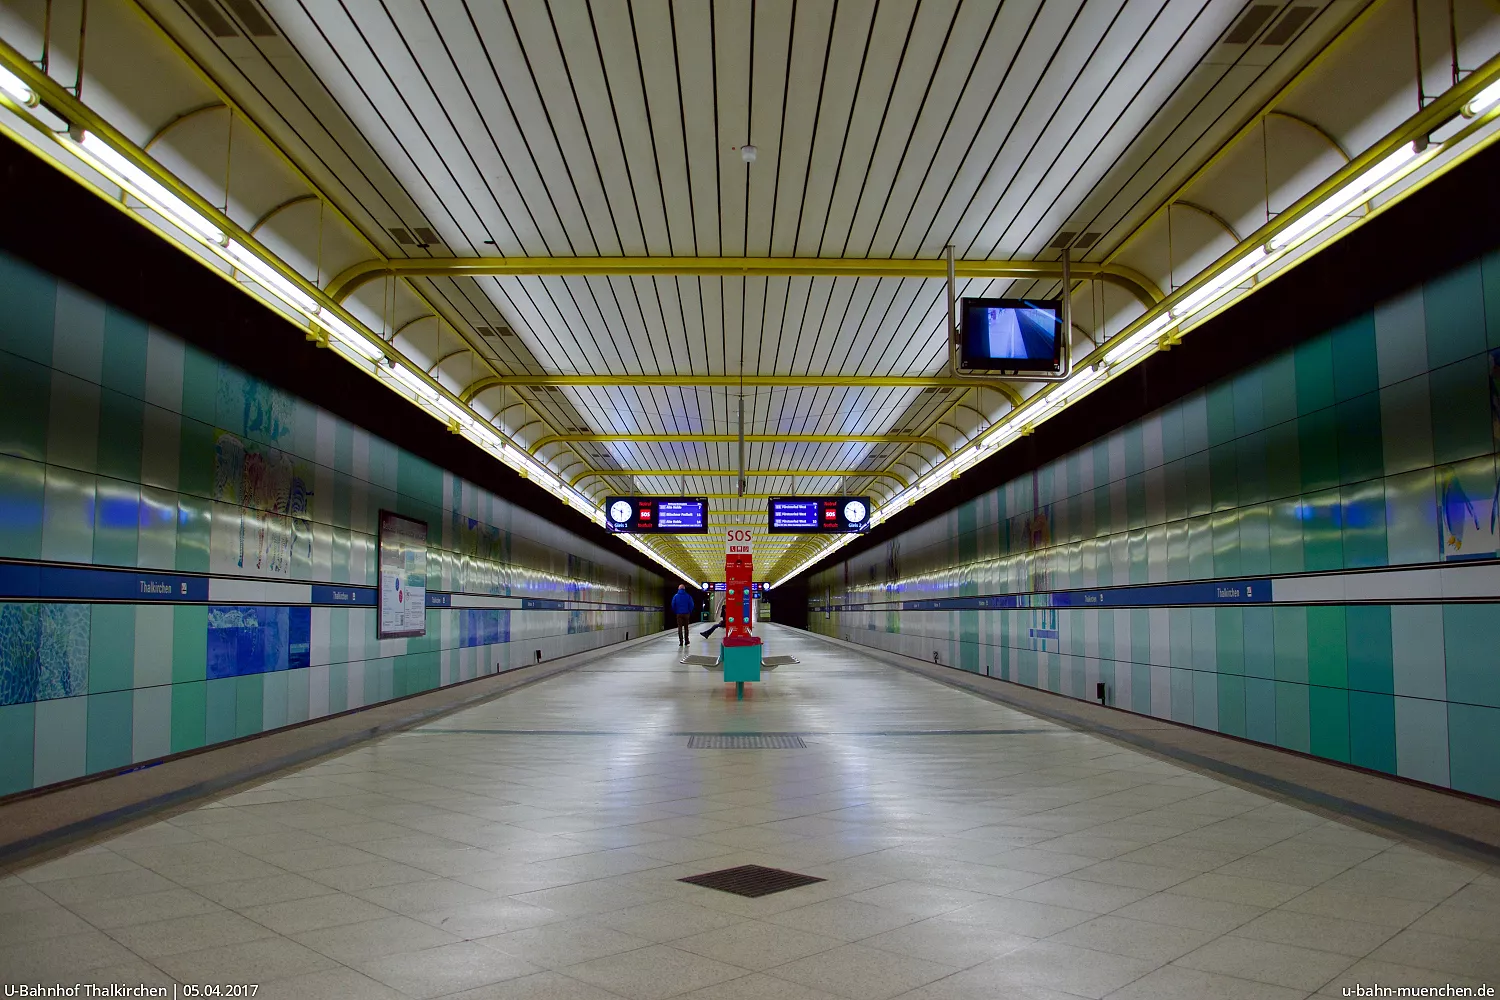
[818, 515]
[656, 515]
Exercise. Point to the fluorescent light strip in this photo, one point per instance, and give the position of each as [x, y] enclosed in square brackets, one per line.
[139, 183]
[16, 89]
[271, 279]
[342, 333]
[1340, 203]
[1482, 101]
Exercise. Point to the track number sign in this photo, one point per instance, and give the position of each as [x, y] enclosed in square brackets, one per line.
[738, 542]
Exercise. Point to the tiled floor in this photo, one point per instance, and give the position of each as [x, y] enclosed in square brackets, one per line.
[528, 849]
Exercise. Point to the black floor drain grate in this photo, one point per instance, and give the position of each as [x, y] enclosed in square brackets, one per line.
[758, 741]
[751, 880]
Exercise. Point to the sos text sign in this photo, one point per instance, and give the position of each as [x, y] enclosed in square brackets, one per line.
[739, 542]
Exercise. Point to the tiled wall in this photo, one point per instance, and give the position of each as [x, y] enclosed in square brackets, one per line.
[120, 446]
[1369, 448]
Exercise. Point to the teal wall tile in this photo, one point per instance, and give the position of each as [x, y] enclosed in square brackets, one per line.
[28, 392]
[1473, 748]
[1284, 474]
[249, 705]
[189, 643]
[1279, 389]
[1406, 426]
[1327, 646]
[1260, 710]
[1219, 401]
[121, 420]
[60, 744]
[112, 647]
[1322, 531]
[30, 310]
[68, 516]
[1369, 656]
[110, 717]
[1412, 532]
[1363, 518]
[23, 488]
[17, 735]
[1401, 337]
[1471, 638]
[1360, 445]
[1372, 731]
[1490, 279]
[192, 547]
[1293, 725]
[220, 710]
[1318, 450]
[117, 522]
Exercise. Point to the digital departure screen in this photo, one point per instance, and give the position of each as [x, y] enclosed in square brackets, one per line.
[656, 515]
[1011, 335]
[818, 515]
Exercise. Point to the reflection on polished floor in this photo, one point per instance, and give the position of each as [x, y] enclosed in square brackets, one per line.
[530, 848]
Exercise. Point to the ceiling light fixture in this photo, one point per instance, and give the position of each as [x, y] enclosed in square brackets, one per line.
[1482, 101]
[115, 165]
[271, 279]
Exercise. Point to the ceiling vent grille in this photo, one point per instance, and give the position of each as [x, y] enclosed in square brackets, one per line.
[213, 19]
[250, 16]
[1250, 24]
[1061, 240]
[1077, 241]
[1291, 22]
[402, 236]
[428, 237]
[1085, 241]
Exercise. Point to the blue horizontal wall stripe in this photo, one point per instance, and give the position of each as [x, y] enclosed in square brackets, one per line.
[30, 581]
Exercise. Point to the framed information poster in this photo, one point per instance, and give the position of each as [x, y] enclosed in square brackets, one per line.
[403, 577]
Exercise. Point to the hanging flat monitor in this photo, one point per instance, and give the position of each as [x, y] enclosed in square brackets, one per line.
[656, 515]
[1011, 335]
[818, 515]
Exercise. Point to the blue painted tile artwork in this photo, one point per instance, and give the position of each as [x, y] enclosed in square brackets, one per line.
[482, 628]
[44, 652]
[246, 639]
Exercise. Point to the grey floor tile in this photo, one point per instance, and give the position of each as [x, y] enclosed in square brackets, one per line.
[1079, 971]
[1267, 962]
[862, 973]
[449, 968]
[653, 973]
[1141, 939]
[564, 943]
[755, 944]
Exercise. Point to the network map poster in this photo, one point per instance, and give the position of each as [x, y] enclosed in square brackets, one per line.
[403, 577]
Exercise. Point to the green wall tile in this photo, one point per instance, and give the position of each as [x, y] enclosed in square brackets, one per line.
[189, 710]
[17, 733]
[28, 393]
[1322, 531]
[1363, 517]
[1318, 449]
[1251, 469]
[1279, 389]
[1406, 426]
[111, 647]
[1490, 278]
[1461, 420]
[119, 436]
[1327, 658]
[1314, 361]
[1355, 363]
[1328, 722]
[1455, 315]
[1372, 731]
[109, 721]
[1223, 462]
[1260, 642]
[1360, 445]
[195, 464]
[124, 368]
[1284, 474]
[194, 531]
[1231, 694]
[117, 522]
[189, 643]
[1220, 404]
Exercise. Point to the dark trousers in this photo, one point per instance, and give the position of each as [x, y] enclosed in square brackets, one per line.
[682, 630]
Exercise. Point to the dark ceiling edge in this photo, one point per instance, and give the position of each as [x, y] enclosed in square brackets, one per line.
[57, 225]
[1451, 221]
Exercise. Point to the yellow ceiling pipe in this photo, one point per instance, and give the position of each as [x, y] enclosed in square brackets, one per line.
[933, 442]
[731, 473]
[735, 381]
[352, 277]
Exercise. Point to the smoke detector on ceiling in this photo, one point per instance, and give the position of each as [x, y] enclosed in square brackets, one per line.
[747, 153]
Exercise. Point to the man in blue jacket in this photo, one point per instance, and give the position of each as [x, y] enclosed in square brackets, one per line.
[682, 607]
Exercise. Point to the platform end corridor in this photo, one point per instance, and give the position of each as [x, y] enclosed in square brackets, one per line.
[530, 849]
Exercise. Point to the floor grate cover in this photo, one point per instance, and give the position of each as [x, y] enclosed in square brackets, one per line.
[751, 880]
[745, 742]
